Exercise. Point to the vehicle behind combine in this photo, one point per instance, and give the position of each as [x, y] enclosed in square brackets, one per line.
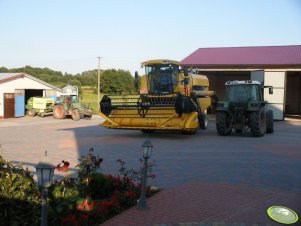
[169, 99]
[41, 106]
[244, 108]
[68, 105]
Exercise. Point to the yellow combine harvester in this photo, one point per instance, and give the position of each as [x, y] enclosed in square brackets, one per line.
[169, 99]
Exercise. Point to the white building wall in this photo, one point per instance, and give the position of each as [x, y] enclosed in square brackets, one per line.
[275, 100]
[20, 83]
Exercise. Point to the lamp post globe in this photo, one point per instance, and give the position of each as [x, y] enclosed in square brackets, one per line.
[45, 172]
[147, 148]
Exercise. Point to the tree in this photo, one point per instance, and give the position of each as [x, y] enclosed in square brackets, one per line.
[116, 82]
[111, 81]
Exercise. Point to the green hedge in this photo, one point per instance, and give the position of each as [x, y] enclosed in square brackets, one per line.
[19, 197]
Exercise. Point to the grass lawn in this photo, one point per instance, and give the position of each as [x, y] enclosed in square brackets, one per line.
[89, 98]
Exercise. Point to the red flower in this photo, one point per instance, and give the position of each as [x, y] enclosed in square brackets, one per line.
[117, 181]
[63, 168]
[116, 193]
[129, 194]
[58, 167]
[132, 185]
[102, 207]
[114, 202]
[85, 206]
[109, 177]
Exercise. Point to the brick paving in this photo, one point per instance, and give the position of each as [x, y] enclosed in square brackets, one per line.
[200, 203]
[206, 179]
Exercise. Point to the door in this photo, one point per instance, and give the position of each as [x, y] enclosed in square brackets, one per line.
[19, 103]
[275, 100]
[9, 105]
[293, 93]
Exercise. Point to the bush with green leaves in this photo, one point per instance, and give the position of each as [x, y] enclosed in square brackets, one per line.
[19, 196]
[90, 198]
[93, 197]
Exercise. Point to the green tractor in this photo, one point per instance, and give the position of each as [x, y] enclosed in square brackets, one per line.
[244, 109]
[69, 105]
[41, 106]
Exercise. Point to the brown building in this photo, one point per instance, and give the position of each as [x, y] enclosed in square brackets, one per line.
[278, 66]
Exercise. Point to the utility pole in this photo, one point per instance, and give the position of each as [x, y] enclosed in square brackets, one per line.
[98, 80]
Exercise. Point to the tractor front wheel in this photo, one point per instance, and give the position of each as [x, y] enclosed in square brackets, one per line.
[203, 121]
[270, 121]
[75, 114]
[257, 123]
[58, 112]
[222, 123]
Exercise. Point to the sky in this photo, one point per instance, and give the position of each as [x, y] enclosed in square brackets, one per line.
[69, 35]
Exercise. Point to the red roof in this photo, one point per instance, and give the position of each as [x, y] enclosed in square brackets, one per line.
[4, 77]
[245, 56]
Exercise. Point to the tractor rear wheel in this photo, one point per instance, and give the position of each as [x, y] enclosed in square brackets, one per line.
[270, 121]
[75, 114]
[222, 123]
[58, 112]
[31, 112]
[257, 123]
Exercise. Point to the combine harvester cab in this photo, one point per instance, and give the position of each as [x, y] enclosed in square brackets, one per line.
[168, 99]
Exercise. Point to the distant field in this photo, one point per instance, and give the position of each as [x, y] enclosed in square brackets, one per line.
[88, 98]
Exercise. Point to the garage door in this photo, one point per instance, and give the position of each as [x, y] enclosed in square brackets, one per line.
[9, 105]
[293, 93]
[218, 79]
[275, 100]
[19, 102]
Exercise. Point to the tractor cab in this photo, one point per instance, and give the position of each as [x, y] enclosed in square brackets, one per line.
[162, 76]
[244, 109]
[243, 91]
[68, 98]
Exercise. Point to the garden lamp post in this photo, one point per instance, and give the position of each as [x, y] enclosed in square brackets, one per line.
[147, 148]
[45, 171]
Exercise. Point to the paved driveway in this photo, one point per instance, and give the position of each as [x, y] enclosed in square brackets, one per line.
[272, 161]
[208, 178]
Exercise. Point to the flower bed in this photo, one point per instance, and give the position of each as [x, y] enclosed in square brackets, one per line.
[89, 199]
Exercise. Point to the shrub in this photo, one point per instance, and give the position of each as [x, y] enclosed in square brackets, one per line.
[19, 196]
[89, 199]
